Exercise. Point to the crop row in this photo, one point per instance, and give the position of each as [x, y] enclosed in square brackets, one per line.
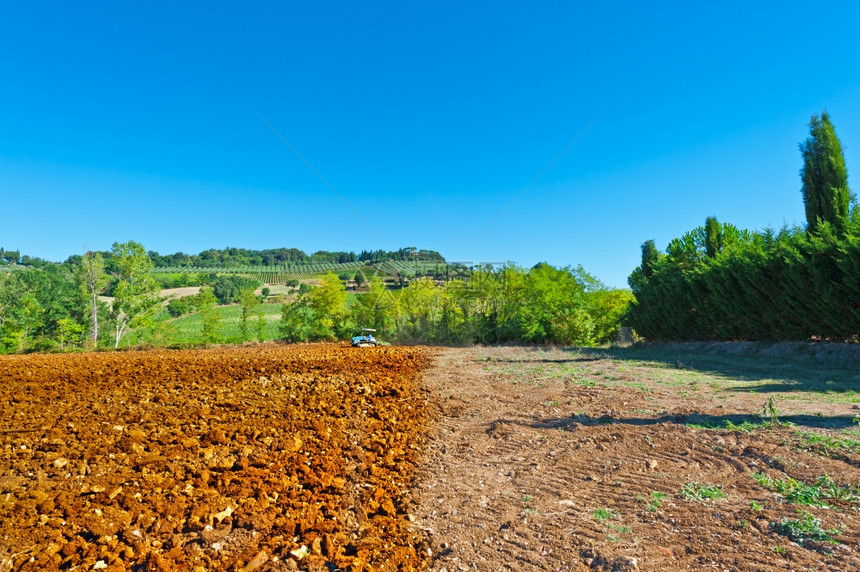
[277, 269]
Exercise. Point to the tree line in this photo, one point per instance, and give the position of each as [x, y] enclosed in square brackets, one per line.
[718, 282]
[236, 257]
[544, 304]
[66, 306]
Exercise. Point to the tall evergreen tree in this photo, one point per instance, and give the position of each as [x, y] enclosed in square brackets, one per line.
[713, 237]
[650, 254]
[826, 195]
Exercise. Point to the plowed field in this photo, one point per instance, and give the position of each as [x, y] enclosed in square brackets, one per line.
[269, 458]
[329, 458]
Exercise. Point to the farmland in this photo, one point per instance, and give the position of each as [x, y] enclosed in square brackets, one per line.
[643, 459]
[282, 273]
[220, 458]
[322, 457]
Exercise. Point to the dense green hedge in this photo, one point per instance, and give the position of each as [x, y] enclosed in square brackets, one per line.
[791, 285]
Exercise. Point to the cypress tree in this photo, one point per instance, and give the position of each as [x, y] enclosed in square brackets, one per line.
[826, 195]
[713, 237]
[650, 254]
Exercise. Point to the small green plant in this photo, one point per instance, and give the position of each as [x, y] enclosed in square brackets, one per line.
[827, 445]
[817, 494]
[743, 426]
[602, 514]
[802, 530]
[526, 498]
[656, 497]
[618, 528]
[770, 411]
[701, 492]
[779, 550]
[755, 505]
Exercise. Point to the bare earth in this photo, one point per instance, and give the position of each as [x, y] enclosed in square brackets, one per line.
[561, 460]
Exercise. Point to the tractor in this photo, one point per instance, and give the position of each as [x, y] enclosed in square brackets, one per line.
[365, 341]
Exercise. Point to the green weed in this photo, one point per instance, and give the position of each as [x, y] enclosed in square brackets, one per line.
[638, 385]
[602, 514]
[619, 528]
[826, 445]
[701, 492]
[816, 494]
[802, 530]
[656, 497]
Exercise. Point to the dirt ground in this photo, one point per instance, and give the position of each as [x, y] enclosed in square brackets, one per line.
[324, 458]
[266, 457]
[563, 460]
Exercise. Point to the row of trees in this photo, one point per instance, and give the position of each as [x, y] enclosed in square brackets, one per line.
[542, 305]
[719, 282]
[96, 299]
[60, 304]
[407, 253]
[237, 257]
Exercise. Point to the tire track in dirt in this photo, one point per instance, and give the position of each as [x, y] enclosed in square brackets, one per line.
[529, 470]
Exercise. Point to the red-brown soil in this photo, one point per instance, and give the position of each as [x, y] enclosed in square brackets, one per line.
[268, 457]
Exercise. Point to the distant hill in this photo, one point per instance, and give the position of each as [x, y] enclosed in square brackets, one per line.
[232, 258]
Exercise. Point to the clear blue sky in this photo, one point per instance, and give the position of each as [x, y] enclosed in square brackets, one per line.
[122, 122]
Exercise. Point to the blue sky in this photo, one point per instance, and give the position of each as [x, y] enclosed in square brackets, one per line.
[122, 122]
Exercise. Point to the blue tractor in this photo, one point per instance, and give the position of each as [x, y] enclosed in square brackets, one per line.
[365, 341]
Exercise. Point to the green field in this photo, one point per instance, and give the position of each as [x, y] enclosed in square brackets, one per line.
[282, 273]
[279, 274]
[187, 329]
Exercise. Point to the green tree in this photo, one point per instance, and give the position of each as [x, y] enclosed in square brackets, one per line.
[93, 280]
[229, 288]
[136, 297]
[261, 323]
[650, 256]
[328, 300]
[713, 237]
[210, 318]
[418, 309]
[12, 256]
[177, 307]
[826, 195]
[376, 308]
[68, 332]
[301, 323]
[250, 302]
[26, 318]
[554, 309]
